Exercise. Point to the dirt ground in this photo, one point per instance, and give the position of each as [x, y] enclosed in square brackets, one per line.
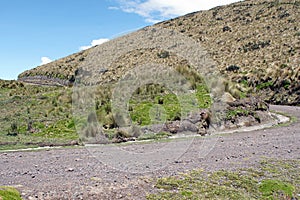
[126, 171]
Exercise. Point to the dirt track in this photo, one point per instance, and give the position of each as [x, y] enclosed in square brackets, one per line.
[89, 173]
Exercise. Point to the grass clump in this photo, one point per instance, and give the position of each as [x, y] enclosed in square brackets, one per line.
[276, 189]
[264, 85]
[231, 114]
[9, 193]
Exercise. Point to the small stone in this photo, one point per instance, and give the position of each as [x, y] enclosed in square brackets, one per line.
[70, 170]
[289, 151]
[74, 142]
[226, 28]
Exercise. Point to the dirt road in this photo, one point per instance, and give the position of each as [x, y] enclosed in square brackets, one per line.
[107, 173]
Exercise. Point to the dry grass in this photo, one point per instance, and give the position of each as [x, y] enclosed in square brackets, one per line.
[260, 38]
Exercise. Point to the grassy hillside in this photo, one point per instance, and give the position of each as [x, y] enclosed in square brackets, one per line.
[35, 116]
[254, 43]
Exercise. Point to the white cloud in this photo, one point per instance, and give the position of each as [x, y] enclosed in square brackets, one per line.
[113, 8]
[45, 60]
[158, 10]
[94, 43]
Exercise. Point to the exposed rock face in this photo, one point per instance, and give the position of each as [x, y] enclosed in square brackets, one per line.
[247, 112]
[178, 126]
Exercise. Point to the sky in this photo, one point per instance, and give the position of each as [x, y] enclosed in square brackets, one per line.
[35, 32]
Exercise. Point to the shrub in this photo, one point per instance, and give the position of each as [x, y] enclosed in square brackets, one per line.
[14, 130]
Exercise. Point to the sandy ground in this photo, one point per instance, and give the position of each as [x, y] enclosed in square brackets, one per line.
[125, 171]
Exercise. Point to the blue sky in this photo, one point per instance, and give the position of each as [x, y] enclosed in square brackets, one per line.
[33, 31]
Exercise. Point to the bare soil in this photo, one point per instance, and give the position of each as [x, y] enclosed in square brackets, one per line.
[104, 173]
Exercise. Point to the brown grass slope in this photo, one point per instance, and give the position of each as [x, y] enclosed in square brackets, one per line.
[255, 43]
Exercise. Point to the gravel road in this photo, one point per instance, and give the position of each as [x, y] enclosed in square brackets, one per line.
[125, 171]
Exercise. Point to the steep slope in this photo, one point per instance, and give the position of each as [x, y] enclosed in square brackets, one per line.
[255, 44]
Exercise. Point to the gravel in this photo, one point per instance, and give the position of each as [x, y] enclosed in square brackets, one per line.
[127, 171]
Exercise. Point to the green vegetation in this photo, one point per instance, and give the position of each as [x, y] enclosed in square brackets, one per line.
[286, 84]
[9, 193]
[147, 112]
[203, 96]
[272, 180]
[35, 115]
[231, 114]
[16, 146]
[274, 189]
[166, 106]
[264, 85]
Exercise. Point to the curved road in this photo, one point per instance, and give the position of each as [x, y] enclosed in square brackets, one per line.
[82, 173]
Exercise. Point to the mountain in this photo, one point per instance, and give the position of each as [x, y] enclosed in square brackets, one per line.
[255, 44]
[226, 61]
